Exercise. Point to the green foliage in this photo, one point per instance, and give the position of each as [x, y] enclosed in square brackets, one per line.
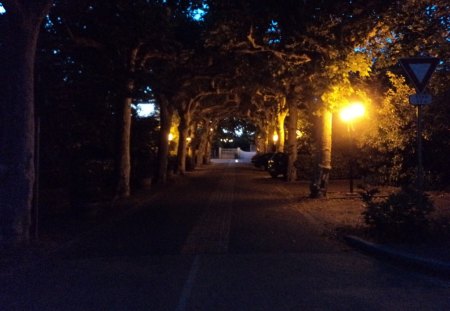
[388, 147]
[402, 216]
[341, 75]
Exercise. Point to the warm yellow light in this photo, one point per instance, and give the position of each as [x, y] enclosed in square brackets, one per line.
[351, 112]
[170, 137]
[275, 137]
[188, 139]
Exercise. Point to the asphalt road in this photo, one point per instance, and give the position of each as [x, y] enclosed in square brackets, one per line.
[225, 237]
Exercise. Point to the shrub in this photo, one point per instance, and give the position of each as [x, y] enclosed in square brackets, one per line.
[401, 216]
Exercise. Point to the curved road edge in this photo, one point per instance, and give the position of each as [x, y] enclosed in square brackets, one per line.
[407, 260]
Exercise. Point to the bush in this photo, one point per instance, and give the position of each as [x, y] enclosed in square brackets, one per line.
[402, 216]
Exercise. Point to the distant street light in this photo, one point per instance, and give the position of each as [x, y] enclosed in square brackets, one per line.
[275, 137]
[275, 140]
[348, 114]
[170, 137]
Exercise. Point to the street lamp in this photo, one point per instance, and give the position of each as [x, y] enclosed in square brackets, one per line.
[351, 112]
[348, 114]
[275, 140]
[275, 137]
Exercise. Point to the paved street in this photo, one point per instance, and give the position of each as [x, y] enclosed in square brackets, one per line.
[225, 237]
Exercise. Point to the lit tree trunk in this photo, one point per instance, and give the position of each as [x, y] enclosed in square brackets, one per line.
[17, 133]
[166, 114]
[260, 140]
[190, 156]
[292, 140]
[201, 150]
[281, 117]
[183, 130]
[320, 185]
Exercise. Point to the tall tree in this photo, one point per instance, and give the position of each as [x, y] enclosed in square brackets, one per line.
[22, 23]
[132, 35]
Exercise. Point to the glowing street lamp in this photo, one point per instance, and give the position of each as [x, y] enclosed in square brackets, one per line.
[352, 112]
[275, 140]
[170, 137]
[348, 114]
[275, 137]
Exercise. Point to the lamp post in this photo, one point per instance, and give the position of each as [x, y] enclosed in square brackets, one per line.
[348, 114]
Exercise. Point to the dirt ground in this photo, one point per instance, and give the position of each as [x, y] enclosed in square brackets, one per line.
[340, 215]
[340, 211]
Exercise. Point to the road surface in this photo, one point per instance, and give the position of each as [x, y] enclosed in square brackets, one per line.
[225, 237]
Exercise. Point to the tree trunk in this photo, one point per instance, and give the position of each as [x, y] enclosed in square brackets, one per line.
[183, 130]
[260, 140]
[320, 185]
[123, 183]
[166, 113]
[17, 118]
[208, 147]
[281, 116]
[202, 144]
[292, 141]
[190, 152]
[272, 146]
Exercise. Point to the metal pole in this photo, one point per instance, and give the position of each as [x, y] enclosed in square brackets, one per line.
[351, 175]
[419, 149]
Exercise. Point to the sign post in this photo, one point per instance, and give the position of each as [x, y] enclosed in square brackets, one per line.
[419, 71]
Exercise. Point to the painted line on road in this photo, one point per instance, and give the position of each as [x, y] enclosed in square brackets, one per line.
[188, 285]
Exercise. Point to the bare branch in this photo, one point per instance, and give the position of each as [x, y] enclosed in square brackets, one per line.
[83, 41]
[291, 58]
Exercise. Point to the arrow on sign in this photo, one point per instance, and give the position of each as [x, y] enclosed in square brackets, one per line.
[419, 70]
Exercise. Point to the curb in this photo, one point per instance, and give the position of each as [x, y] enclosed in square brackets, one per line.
[435, 267]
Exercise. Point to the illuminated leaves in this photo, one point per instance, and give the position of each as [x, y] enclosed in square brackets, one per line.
[395, 117]
[342, 89]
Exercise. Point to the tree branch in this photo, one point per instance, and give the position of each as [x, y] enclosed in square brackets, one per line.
[291, 58]
[83, 41]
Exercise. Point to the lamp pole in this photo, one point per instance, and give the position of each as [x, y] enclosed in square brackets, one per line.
[350, 130]
[420, 176]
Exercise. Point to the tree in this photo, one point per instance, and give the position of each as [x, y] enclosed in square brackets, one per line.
[411, 28]
[133, 36]
[392, 138]
[17, 131]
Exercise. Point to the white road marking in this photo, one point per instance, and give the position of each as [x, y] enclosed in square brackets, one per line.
[188, 285]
